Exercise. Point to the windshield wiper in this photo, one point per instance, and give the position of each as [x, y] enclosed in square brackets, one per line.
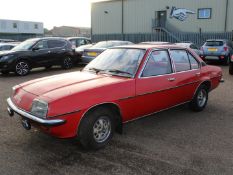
[119, 72]
[95, 70]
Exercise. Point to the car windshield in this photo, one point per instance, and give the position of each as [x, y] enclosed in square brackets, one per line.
[214, 43]
[118, 61]
[25, 45]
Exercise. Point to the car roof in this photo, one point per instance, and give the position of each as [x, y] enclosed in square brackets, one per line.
[184, 44]
[151, 46]
[217, 40]
[155, 42]
[8, 44]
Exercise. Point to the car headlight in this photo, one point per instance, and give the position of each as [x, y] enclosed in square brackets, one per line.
[39, 108]
[6, 57]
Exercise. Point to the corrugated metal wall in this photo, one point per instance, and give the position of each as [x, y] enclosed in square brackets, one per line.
[138, 15]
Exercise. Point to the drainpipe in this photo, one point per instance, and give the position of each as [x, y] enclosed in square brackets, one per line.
[122, 19]
[226, 16]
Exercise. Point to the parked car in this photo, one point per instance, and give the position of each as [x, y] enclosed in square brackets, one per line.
[122, 84]
[39, 52]
[7, 46]
[155, 43]
[7, 41]
[98, 48]
[217, 50]
[79, 51]
[231, 65]
[192, 46]
[79, 41]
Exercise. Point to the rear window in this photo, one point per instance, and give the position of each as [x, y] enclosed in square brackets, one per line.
[214, 43]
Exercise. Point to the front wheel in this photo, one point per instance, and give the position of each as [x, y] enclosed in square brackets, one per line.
[67, 63]
[200, 99]
[231, 68]
[22, 68]
[96, 128]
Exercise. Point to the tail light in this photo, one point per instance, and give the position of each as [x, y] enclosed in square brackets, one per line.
[225, 49]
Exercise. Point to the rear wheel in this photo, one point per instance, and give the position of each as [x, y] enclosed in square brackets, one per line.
[231, 68]
[22, 68]
[200, 99]
[97, 128]
[67, 63]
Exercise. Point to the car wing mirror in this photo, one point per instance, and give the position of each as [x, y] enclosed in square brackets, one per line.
[35, 48]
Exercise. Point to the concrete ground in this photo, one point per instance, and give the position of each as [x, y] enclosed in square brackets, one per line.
[177, 142]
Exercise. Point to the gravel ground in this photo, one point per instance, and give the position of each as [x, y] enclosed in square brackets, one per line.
[177, 142]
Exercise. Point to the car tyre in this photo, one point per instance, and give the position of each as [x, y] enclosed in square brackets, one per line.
[67, 63]
[22, 68]
[97, 128]
[231, 68]
[200, 99]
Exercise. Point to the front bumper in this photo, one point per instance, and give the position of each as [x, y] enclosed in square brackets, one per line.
[44, 122]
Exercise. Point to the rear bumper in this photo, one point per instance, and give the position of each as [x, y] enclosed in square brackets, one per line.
[12, 109]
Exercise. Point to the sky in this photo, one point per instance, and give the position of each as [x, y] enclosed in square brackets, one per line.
[52, 13]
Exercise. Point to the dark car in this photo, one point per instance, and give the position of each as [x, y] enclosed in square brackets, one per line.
[98, 48]
[231, 65]
[79, 41]
[38, 52]
[217, 50]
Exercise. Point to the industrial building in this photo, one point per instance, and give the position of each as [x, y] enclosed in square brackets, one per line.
[169, 16]
[20, 30]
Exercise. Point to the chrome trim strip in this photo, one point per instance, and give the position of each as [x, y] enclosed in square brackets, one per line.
[12, 107]
[155, 112]
[68, 113]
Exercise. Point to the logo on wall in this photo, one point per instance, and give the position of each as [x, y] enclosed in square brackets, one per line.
[180, 13]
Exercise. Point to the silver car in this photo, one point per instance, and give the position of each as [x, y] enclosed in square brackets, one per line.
[218, 50]
[190, 45]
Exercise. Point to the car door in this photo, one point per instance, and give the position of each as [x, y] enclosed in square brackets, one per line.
[187, 76]
[57, 51]
[154, 86]
[40, 53]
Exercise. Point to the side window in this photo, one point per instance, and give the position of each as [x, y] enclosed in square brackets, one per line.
[159, 63]
[193, 61]
[73, 42]
[41, 45]
[181, 60]
[87, 41]
[55, 43]
[81, 42]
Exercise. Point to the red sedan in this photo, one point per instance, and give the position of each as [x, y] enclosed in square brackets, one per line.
[120, 85]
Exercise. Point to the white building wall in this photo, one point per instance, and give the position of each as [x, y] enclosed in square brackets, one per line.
[22, 27]
[138, 15]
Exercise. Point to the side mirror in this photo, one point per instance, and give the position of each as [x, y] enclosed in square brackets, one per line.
[35, 48]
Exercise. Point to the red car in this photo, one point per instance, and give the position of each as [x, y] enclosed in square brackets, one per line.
[122, 84]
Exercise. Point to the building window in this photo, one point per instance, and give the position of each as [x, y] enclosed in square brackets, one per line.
[15, 25]
[36, 26]
[204, 13]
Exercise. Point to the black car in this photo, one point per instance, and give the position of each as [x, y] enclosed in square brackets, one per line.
[38, 52]
[231, 65]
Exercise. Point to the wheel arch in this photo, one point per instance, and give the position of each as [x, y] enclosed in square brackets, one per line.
[207, 83]
[109, 105]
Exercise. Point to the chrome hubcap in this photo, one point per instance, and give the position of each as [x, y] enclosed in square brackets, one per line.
[68, 62]
[102, 129]
[202, 97]
[22, 68]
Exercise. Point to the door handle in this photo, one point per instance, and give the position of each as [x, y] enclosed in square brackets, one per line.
[198, 74]
[171, 79]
